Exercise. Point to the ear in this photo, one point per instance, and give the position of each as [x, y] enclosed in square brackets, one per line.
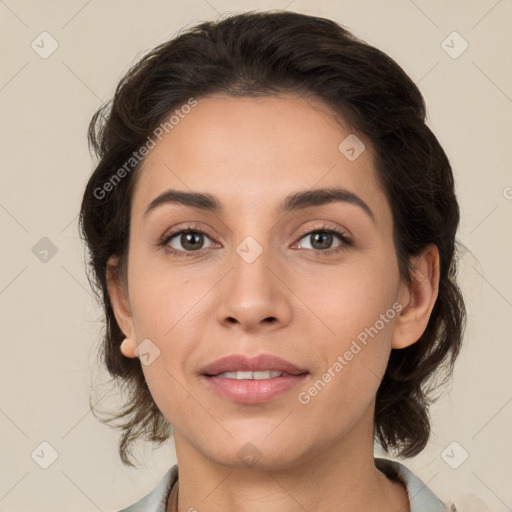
[418, 299]
[118, 293]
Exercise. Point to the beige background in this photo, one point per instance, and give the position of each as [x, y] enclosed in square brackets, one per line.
[51, 323]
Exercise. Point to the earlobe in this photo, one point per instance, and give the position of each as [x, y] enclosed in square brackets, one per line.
[418, 298]
[128, 347]
[118, 293]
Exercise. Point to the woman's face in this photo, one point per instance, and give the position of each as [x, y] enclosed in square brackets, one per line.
[265, 278]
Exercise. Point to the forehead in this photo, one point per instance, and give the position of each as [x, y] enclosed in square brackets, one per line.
[252, 150]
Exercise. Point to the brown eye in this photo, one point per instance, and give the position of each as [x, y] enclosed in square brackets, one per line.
[191, 240]
[185, 242]
[321, 239]
[188, 240]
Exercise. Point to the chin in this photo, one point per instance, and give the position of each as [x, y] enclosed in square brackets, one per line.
[257, 453]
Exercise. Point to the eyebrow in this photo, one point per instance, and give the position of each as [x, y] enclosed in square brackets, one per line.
[293, 202]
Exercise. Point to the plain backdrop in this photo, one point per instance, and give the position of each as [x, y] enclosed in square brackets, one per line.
[51, 84]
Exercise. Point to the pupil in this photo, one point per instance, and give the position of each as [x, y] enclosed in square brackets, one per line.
[189, 240]
[326, 236]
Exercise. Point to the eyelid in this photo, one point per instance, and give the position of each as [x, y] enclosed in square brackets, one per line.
[325, 227]
[174, 232]
[341, 233]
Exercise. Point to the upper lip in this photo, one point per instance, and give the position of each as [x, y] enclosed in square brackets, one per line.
[240, 362]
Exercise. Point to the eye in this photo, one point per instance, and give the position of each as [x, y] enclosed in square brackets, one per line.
[184, 242]
[189, 241]
[321, 239]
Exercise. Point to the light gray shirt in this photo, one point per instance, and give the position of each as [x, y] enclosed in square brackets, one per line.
[421, 498]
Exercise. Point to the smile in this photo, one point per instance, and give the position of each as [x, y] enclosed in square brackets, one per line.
[250, 375]
[253, 380]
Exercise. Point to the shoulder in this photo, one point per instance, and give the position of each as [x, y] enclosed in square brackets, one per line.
[156, 500]
[421, 498]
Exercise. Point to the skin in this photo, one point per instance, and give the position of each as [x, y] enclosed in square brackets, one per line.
[251, 153]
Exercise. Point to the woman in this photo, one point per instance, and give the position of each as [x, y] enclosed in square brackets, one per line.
[272, 231]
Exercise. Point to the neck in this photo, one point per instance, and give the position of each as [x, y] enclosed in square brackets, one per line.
[341, 478]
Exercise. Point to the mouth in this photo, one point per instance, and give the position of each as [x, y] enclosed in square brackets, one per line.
[255, 380]
[241, 375]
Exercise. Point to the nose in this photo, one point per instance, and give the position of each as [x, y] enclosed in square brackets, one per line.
[254, 295]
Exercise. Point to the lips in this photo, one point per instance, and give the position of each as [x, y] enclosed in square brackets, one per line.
[251, 380]
[261, 363]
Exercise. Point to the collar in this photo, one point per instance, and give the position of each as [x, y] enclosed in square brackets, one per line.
[421, 498]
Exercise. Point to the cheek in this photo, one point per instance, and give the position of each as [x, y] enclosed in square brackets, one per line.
[352, 298]
[161, 300]
[351, 368]
[164, 310]
[359, 308]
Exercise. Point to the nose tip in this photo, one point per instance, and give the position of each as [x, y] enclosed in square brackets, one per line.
[253, 297]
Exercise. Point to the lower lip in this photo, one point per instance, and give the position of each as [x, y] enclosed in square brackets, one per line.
[252, 391]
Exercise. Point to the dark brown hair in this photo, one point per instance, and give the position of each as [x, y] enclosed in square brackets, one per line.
[266, 53]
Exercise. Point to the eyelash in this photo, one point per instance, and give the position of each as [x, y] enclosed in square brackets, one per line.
[163, 243]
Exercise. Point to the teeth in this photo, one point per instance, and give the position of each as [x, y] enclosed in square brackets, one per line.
[250, 375]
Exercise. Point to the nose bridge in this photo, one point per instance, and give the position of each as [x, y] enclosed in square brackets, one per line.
[253, 295]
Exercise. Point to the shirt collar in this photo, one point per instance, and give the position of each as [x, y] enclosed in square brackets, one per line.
[421, 498]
